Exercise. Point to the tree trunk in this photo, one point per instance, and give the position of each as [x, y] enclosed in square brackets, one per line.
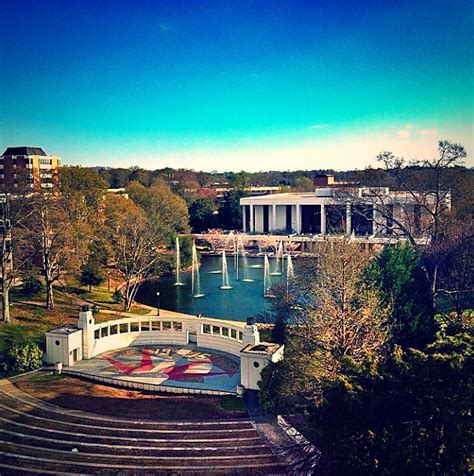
[5, 303]
[49, 295]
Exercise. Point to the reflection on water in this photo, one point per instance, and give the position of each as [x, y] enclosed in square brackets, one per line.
[245, 299]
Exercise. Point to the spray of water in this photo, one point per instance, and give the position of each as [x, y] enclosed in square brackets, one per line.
[279, 260]
[225, 273]
[290, 274]
[266, 277]
[178, 264]
[195, 276]
[244, 261]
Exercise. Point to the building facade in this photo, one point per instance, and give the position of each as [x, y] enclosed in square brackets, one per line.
[30, 166]
[336, 208]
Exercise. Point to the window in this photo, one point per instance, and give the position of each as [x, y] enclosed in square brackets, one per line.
[166, 325]
[225, 332]
[145, 325]
[178, 326]
[134, 327]
[57, 342]
[233, 334]
[97, 334]
[216, 330]
[241, 336]
[156, 326]
[123, 328]
[256, 365]
[104, 332]
[206, 329]
[113, 330]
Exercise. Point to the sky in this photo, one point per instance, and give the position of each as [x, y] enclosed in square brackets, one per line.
[237, 84]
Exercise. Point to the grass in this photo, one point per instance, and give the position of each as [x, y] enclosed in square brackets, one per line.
[42, 377]
[12, 332]
[229, 402]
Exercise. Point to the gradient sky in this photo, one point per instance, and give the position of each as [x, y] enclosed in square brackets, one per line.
[231, 85]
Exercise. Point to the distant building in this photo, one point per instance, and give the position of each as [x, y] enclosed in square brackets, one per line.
[218, 190]
[28, 164]
[121, 192]
[335, 208]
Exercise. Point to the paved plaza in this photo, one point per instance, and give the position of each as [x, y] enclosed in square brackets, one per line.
[172, 366]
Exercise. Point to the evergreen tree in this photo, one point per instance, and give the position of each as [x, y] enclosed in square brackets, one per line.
[398, 275]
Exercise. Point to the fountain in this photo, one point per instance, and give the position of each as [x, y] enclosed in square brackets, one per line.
[178, 264]
[266, 277]
[279, 260]
[290, 274]
[195, 277]
[225, 273]
[244, 260]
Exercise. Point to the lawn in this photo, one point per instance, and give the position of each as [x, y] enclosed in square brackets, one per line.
[83, 395]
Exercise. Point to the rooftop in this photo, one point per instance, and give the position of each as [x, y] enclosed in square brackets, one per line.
[64, 329]
[24, 150]
[264, 348]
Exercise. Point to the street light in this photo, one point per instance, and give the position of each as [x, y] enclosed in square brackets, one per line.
[158, 303]
[108, 281]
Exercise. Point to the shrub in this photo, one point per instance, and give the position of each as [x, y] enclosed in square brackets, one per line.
[22, 356]
[117, 297]
[32, 285]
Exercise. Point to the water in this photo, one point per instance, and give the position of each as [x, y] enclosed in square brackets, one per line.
[245, 299]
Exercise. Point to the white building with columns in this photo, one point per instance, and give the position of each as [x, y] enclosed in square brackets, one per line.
[335, 209]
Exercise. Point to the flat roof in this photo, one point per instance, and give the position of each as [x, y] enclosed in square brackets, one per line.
[64, 329]
[264, 348]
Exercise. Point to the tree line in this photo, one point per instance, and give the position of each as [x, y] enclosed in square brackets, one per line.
[82, 230]
[379, 344]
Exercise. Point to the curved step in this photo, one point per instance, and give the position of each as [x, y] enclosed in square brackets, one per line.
[81, 466]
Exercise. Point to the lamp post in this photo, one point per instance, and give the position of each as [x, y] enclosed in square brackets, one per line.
[108, 281]
[158, 303]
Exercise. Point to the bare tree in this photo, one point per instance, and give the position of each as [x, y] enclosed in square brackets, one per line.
[347, 318]
[418, 207]
[54, 243]
[16, 208]
[135, 245]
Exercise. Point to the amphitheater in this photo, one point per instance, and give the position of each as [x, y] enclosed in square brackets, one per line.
[167, 353]
[40, 438]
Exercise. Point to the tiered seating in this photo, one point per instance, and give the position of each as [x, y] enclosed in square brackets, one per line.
[39, 438]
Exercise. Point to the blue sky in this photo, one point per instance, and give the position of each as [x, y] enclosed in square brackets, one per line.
[232, 85]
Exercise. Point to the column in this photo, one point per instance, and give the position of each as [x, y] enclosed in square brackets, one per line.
[251, 219]
[244, 218]
[348, 220]
[298, 219]
[323, 219]
[274, 210]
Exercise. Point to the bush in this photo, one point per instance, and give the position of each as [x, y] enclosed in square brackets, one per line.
[117, 297]
[32, 285]
[22, 356]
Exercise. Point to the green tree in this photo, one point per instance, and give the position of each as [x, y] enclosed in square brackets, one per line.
[397, 273]
[230, 211]
[411, 415]
[91, 274]
[202, 214]
[166, 211]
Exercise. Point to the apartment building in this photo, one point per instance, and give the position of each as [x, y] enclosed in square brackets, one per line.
[30, 165]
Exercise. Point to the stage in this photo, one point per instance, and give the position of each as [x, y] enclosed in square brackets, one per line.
[168, 368]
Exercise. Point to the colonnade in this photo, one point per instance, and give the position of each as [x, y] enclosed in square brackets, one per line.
[298, 225]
